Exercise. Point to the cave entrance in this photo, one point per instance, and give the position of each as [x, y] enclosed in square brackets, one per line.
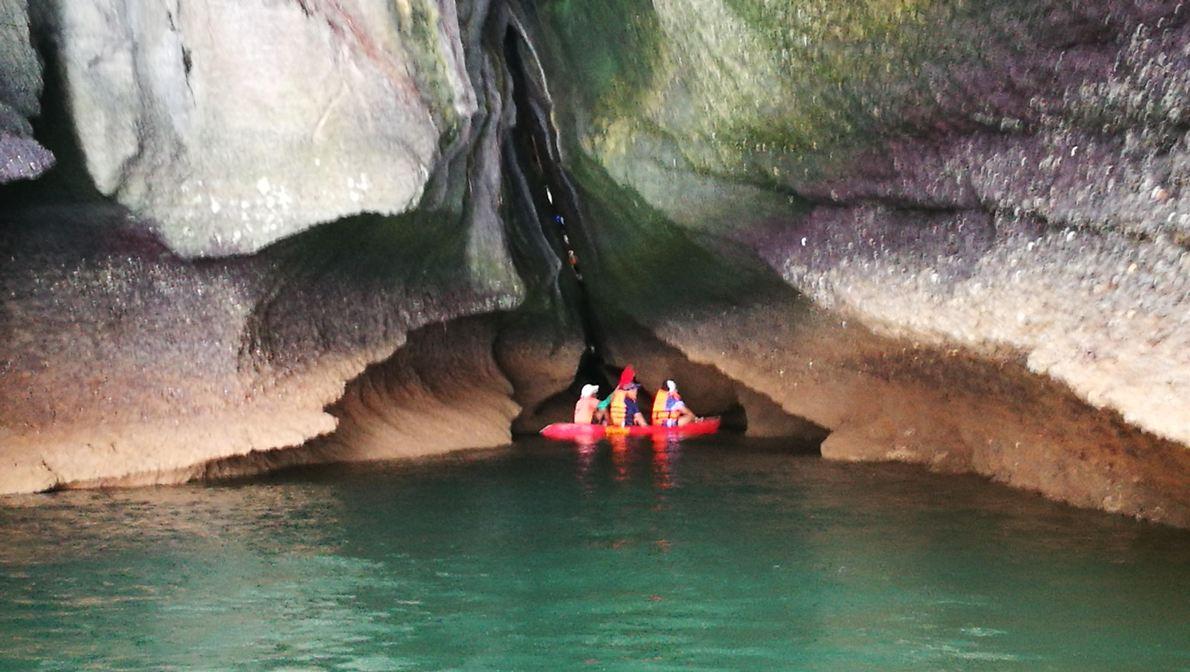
[534, 162]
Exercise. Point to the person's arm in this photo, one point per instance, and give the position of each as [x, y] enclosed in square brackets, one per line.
[605, 403]
[640, 420]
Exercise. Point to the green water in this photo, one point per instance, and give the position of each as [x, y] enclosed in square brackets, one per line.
[712, 556]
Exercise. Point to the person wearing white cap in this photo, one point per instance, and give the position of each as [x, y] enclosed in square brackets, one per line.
[586, 410]
[668, 408]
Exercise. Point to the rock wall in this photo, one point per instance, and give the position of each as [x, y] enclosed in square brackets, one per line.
[233, 124]
[126, 362]
[974, 192]
[21, 157]
[441, 391]
[880, 397]
[997, 177]
[946, 233]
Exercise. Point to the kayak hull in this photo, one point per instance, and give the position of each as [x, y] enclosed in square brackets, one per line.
[569, 431]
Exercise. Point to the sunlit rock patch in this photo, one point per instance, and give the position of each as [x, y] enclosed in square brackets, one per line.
[233, 125]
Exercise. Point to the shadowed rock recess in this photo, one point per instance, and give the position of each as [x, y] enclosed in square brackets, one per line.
[238, 236]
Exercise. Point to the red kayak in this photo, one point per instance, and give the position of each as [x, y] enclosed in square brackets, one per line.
[569, 431]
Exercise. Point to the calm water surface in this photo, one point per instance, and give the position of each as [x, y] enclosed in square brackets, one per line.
[710, 556]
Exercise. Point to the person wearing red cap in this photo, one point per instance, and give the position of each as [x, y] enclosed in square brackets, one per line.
[623, 411]
[627, 376]
[621, 405]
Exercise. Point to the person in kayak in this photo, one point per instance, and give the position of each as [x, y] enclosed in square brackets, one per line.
[587, 409]
[668, 408]
[621, 404]
[626, 377]
[623, 409]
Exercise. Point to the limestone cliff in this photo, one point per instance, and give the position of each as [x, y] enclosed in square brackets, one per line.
[234, 124]
[126, 362]
[946, 233]
[1003, 177]
[950, 185]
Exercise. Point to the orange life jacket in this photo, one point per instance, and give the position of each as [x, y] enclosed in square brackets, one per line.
[661, 416]
[618, 410]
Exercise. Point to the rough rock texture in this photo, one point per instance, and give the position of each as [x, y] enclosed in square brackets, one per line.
[21, 157]
[126, 364]
[232, 123]
[1000, 186]
[1106, 314]
[947, 408]
[441, 391]
[947, 233]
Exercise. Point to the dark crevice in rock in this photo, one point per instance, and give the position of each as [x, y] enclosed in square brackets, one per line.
[550, 211]
[187, 66]
[550, 199]
[612, 339]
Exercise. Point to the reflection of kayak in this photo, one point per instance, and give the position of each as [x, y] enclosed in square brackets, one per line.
[569, 431]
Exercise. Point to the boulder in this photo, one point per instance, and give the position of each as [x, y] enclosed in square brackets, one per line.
[232, 124]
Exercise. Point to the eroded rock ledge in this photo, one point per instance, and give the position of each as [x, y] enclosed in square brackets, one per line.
[949, 235]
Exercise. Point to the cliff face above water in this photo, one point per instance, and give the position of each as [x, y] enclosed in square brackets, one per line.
[990, 196]
[936, 232]
[128, 361]
[1006, 178]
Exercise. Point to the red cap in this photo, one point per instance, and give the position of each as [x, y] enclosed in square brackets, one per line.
[626, 376]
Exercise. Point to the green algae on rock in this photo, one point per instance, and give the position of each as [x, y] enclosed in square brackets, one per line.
[955, 177]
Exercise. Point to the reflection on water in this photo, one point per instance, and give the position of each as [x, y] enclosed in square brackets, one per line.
[662, 454]
[700, 555]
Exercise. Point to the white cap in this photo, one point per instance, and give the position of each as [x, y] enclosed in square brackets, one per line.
[590, 390]
[673, 387]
